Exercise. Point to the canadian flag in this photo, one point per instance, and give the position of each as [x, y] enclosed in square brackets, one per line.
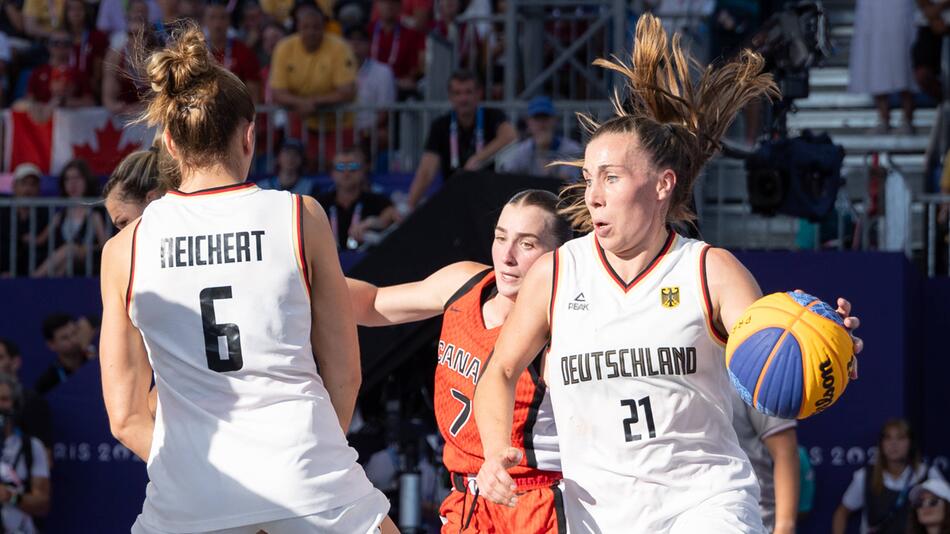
[91, 134]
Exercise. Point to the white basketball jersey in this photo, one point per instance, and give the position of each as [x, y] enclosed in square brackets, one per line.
[245, 431]
[640, 392]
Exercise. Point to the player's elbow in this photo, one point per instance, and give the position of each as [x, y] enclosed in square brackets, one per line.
[121, 426]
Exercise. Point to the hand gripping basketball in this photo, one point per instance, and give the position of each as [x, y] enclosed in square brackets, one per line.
[494, 482]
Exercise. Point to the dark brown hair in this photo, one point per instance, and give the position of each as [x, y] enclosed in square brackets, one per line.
[91, 183]
[913, 454]
[558, 227]
[199, 102]
[914, 526]
[677, 121]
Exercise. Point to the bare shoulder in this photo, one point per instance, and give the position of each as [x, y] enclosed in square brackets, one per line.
[723, 268]
[117, 256]
[448, 280]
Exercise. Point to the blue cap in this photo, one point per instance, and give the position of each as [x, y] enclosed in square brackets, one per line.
[541, 105]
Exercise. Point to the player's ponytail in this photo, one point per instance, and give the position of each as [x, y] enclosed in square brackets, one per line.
[199, 102]
[679, 122]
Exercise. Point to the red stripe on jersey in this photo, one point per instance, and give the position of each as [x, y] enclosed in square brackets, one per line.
[128, 290]
[706, 299]
[301, 250]
[653, 263]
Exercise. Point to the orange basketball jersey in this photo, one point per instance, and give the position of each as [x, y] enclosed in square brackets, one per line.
[464, 349]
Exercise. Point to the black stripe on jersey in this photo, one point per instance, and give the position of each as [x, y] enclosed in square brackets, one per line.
[128, 289]
[559, 508]
[466, 287]
[553, 296]
[708, 301]
[534, 370]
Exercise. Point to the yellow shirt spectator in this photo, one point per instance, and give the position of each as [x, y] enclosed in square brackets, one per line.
[45, 16]
[280, 10]
[306, 74]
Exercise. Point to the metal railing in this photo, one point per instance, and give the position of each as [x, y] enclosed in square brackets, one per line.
[34, 245]
[398, 140]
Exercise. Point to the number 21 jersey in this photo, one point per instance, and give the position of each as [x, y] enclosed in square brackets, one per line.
[640, 393]
[244, 430]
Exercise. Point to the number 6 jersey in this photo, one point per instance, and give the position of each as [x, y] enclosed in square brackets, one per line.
[244, 431]
[639, 389]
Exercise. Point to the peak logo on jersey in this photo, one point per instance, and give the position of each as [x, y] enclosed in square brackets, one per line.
[670, 297]
[579, 303]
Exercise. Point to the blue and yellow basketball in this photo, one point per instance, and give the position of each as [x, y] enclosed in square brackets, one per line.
[790, 355]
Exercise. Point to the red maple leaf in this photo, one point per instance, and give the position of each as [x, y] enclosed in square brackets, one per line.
[105, 160]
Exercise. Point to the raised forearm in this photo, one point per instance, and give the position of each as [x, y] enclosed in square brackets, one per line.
[494, 404]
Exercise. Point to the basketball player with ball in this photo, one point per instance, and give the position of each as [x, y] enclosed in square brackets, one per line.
[637, 320]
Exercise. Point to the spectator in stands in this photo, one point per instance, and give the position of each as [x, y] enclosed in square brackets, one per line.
[463, 35]
[772, 447]
[806, 484]
[191, 9]
[33, 414]
[270, 36]
[251, 24]
[11, 20]
[278, 10]
[79, 231]
[289, 176]
[169, 12]
[29, 236]
[63, 338]
[119, 92]
[402, 48]
[880, 59]
[57, 83]
[375, 86]
[467, 137]
[133, 185]
[113, 15]
[41, 17]
[24, 467]
[89, 44]
[543, 146]
[311, 72]
[880, 491]
[933, 22]
[230, 51]
[931, 501]
[352, 209]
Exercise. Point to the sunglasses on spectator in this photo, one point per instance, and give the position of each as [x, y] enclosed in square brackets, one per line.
[927, 503]
[354, 166]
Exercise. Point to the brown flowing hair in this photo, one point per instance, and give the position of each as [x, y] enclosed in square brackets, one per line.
[913, 453]
[678, 121]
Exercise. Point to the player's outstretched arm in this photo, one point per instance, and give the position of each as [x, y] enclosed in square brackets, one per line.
[333, 329]
[523, 336]
[126, 373]
[413, 301]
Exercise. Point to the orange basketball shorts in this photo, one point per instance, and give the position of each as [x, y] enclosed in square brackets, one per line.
[540, 510]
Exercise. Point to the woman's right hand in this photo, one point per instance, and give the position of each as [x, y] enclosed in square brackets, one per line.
[494, 482]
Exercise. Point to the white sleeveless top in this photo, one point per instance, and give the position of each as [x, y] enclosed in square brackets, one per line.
[245, 432]
[641, 397]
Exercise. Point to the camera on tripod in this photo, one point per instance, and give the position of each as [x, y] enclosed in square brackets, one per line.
[794, 176]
